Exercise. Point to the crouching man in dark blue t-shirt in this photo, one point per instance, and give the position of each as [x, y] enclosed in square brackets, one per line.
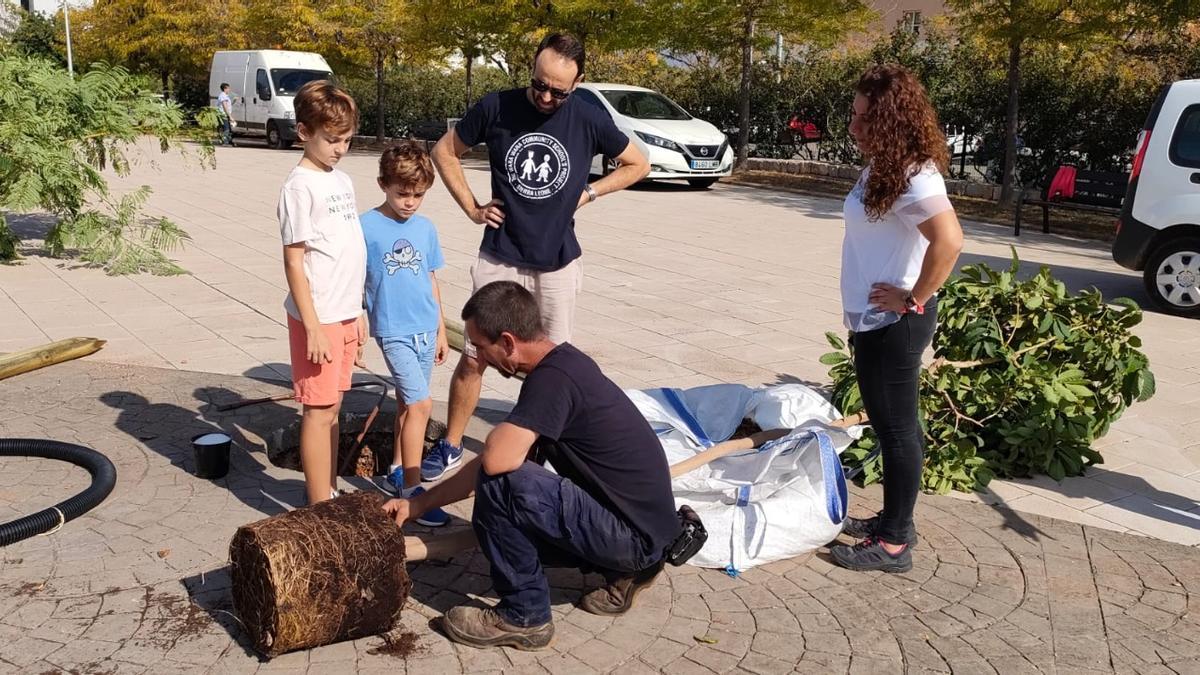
[608, 508]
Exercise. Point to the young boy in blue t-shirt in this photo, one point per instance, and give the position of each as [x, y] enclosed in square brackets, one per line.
[404, 307]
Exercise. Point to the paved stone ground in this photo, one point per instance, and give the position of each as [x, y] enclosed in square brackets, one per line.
[140, 584]
[733, 284]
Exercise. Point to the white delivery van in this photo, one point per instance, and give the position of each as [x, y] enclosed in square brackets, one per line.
[262, 84]
[1159, 229]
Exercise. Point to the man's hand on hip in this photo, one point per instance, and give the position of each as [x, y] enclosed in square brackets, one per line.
[489, 214]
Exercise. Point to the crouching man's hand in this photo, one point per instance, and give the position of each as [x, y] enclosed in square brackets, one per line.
[398, 509]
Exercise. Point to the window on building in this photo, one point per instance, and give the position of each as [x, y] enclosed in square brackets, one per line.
[911, 22]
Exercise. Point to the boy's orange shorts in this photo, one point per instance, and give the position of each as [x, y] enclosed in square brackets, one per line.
[319, 384]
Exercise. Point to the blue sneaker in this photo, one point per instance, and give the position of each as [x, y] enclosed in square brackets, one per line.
[395, 481]
[432, 517]
[441, 457]
[454, 453]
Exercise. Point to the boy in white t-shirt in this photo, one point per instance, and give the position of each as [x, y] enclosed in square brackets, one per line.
[324, 258]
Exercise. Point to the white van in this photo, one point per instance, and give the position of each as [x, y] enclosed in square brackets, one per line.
[1159, 229]
[262, 84]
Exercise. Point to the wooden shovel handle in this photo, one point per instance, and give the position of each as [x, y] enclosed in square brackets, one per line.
[441, 546]
[726, 448]
[752, 441]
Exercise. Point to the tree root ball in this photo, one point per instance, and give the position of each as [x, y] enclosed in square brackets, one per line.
[320, 574]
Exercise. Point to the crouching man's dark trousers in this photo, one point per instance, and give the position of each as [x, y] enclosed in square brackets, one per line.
[530, 516]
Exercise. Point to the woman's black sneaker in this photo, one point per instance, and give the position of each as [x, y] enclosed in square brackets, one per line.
[861, 528]
[869, 555]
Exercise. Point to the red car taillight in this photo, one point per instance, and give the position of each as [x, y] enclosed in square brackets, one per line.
[1140, 153]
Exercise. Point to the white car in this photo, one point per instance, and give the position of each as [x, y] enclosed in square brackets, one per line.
[678, 145]
[1159, 228]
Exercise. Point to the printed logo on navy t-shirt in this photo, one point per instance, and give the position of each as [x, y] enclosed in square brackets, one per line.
[538, 166]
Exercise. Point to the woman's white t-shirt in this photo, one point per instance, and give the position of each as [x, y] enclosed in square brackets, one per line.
[889, 250]
[318, 208]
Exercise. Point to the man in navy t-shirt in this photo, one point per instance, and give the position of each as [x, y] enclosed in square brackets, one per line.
[606, 507]
[541, 141]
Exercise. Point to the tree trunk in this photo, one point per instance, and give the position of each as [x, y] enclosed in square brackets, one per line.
[962, 159]
[166, 84]
[379, 107]
[1009, 186]
[744, 92]
[470, 58]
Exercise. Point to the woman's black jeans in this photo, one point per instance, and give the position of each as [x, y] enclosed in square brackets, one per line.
[887, 362]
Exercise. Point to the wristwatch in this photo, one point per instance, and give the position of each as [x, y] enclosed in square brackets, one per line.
[911, 305]
[591, 192]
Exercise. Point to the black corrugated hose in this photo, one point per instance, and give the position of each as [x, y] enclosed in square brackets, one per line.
[104, 477]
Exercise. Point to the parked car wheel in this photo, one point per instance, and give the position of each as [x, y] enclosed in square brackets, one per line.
[1172, 276]
[275, 138]
[701, 183]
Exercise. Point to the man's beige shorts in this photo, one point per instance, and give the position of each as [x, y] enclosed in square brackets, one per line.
[556, 292]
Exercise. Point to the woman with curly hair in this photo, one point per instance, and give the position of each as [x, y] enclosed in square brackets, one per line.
[901, 243]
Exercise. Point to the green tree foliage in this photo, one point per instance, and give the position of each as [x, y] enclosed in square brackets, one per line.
[603, 25]
[1021, 25]
[38, 37]
[419, 93]
[470, 28]
[1026, 376]
[734, 29]
[57, 135]
[1083, 106]
[1085, 82]
[164, 38]
[375, 32]
[287, 24]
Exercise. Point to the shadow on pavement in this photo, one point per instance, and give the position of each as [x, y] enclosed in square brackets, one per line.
[817, 207]
[785, 378]
[1146, 500]
[167, 429]
[1111, 284]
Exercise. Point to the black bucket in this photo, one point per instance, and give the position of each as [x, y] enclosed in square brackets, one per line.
[211, 451]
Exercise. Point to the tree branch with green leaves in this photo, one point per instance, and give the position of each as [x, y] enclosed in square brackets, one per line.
[1026, 376]
[57, 137]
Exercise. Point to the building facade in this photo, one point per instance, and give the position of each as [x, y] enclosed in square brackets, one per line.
[911, 15]
[51, 7]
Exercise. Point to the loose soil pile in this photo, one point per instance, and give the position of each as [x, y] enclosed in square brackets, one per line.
[373, 459]
[399, 646]
[746, 429]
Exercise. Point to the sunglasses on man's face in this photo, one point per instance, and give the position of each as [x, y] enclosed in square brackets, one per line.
[541, 88]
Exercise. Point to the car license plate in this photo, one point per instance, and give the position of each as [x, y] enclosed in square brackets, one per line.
[705, 163]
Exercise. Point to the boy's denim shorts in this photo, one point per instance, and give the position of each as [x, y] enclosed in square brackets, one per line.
[410, 358]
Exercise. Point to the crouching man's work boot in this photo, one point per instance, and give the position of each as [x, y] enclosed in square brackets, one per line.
[484, 627]
[617, 596]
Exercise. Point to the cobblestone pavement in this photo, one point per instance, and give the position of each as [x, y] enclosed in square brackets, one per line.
[140, 584]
